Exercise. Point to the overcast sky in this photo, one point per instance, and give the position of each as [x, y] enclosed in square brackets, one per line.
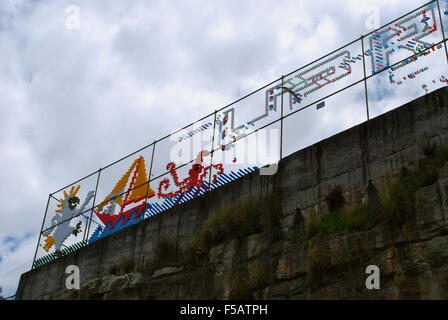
[75, 100]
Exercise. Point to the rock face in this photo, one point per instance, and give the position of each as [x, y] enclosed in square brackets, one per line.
[411, 251]
[412, 258]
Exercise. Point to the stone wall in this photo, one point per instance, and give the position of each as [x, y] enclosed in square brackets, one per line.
[375, 150]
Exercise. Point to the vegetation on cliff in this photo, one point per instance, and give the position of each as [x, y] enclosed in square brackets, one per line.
[241, 219]
[395, 203]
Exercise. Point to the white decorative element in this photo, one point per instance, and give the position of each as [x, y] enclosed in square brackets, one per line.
[63, 230]
[298, 86]
[410, 28]
[310, 80]
[110, 209]
[233, 133]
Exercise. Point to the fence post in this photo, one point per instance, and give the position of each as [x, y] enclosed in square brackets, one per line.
[213, 150]
[365, 76]
[149, 174]
[40, 233]
[89, 221]
[443, 31]
[281, 121]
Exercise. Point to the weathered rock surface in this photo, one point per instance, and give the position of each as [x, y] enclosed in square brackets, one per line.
[412, 257]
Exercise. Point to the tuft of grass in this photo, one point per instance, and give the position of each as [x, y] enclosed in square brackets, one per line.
[165, 255]
[397, 200]
[359, 217]
[165, 250]
[428, 167]
[318, 262]
[244, 217]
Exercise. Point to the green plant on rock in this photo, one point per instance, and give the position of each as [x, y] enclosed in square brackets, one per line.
[244, 217]
[361, 216]
[165, 255]
[165, 250]
[428, 167]
[396, 201]
[318, 262]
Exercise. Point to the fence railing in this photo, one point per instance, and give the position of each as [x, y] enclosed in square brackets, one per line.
[233, 140]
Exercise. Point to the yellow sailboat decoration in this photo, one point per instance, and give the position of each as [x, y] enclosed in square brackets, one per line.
[135, 182]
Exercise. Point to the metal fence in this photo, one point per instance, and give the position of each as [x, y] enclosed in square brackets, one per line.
[348, 86]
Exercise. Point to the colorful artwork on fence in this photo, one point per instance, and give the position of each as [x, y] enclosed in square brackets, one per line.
[228, 133]
[131, 193]
[410, 76]
[60, 228]
[312, 79]
[130, 203]
[191, 133]
[195, 178]
[407, 34]
[153, 208]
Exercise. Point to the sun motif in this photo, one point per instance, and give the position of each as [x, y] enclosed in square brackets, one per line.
[72, 201]
[71, 198]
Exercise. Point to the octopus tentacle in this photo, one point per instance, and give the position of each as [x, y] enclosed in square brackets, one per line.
[171, 167]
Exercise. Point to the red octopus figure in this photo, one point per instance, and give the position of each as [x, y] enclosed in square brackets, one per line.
[195, 176]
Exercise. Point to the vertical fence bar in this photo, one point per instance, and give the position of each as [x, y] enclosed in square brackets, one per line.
[281, 122]
[150, 173]
[86, 232]
[365, 76]
[40, 233]
[152, 160]
[213, 148]
[443, 31]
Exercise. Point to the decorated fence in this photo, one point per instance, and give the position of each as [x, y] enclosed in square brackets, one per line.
[371, 75]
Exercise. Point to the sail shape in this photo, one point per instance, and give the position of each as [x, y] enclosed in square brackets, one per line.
[139, 178]
[141, 188]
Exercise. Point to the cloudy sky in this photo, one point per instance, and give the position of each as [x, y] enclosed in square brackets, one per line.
[73, 100]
